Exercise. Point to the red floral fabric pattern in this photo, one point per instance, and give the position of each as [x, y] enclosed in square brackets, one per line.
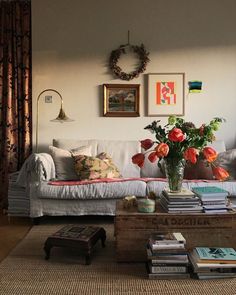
[15, 89]
[89, 168]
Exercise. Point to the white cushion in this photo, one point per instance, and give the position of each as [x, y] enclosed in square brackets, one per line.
[150, 169]
[121, 153]
[93, 191]
[64, 162]
[68, 144]
[158, 186]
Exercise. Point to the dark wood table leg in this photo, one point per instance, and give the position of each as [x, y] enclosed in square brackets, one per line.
[88, 258]
[36, 220]
[47, 249]
[103, 237]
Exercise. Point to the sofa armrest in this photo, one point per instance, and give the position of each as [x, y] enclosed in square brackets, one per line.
[36, 168]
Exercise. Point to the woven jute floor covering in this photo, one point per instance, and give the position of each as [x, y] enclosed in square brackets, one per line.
[26, 272]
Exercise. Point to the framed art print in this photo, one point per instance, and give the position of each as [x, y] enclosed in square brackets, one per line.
[121, 100]
[166, 94]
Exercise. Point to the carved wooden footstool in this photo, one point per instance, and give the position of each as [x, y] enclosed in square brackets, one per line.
[74, 236]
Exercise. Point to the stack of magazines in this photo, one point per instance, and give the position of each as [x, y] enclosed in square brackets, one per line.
[167, 257]
[213, 199]
[182, 202]
[213, 262]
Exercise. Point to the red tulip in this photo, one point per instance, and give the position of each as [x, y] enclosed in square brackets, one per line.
[191, 155]
[210, 154]
[138, 159]
[162, 150]
[176, 135]
[152, 157]
[220, 173]
[146, 143]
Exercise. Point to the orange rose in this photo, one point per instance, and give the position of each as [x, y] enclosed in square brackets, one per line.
[210, 154]
[138, 159]
[191, 155]
[176, 135]
[162, 150]
[152, 157]
[146, 144]
[220, 173]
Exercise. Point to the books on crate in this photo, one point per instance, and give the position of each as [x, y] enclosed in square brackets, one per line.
[167, 256]
[210, 192]
[213, 199]
[232, 203]
[213, 262]
[184, 193]
[181, 202]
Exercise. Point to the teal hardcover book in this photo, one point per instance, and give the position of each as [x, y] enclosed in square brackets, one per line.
[207, 191]
[216, 253]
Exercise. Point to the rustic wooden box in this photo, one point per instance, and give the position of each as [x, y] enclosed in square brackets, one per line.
[132, 230]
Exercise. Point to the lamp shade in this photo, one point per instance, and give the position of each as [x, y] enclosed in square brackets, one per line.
[62, 117]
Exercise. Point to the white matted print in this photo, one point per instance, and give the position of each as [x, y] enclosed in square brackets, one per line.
[166, 94]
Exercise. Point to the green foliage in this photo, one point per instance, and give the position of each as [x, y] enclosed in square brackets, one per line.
[194, 137]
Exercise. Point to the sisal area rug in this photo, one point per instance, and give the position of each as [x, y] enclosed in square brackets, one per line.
[25, 272]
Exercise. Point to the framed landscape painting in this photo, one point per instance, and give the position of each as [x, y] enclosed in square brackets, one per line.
[121, 100]
[166, 94]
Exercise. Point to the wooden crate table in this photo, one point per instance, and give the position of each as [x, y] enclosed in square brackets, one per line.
[132, 230]
[81, 238]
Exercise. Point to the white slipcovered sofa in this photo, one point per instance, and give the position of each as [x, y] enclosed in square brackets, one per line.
[98, 198]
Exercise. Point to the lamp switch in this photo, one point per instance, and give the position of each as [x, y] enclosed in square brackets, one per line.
[48, 98]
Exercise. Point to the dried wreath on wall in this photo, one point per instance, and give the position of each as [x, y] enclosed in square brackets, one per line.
[143, 59]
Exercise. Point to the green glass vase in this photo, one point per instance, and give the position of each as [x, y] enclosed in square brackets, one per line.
[174, 170]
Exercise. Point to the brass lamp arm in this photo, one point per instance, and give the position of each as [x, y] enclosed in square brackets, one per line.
[37, 117]
[53, 90]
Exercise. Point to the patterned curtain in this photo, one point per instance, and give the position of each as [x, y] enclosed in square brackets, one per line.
[15, 89]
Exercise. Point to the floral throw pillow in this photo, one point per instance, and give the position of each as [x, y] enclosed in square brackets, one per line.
[64, 163]
[89, 168]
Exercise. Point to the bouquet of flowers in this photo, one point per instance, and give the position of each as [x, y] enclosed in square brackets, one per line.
[180, 141]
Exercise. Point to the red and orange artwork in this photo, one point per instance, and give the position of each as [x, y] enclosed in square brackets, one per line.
[165, 93]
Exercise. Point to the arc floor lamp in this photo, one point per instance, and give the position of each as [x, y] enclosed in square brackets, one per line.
[62, 117]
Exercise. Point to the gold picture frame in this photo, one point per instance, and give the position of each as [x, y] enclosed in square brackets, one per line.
[121, 100]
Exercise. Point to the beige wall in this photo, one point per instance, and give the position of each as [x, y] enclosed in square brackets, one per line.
[72, 41]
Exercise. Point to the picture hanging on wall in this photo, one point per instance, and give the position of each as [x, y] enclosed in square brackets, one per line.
[166, 94]
[121, 100]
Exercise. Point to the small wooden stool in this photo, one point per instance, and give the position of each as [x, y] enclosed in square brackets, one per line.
[75, 236]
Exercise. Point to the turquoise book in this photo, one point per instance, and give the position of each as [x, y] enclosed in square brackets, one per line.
[208, 191]
[216, 253]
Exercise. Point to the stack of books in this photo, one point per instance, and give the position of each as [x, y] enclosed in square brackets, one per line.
[232, 203]
[183, 202]
[213, 263]
[213, 199]
[167, 257]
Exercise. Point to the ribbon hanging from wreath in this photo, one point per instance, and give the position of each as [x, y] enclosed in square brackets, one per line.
[116, 54]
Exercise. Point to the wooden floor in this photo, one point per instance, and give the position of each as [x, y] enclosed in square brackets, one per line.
[12, 231]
